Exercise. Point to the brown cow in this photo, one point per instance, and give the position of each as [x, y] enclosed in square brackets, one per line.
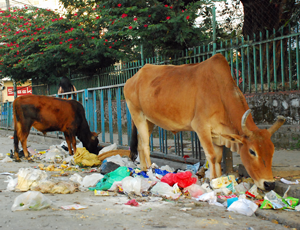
[204, 98]
[52, 114]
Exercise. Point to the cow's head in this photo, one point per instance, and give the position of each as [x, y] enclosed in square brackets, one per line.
[256, 150]
[93, 145]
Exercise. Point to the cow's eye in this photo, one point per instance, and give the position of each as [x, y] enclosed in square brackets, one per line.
[252, 152]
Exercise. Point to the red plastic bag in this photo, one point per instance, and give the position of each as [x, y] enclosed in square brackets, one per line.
[183, 179]
[132, 203]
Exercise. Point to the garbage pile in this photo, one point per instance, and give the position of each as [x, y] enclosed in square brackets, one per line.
[113, 172]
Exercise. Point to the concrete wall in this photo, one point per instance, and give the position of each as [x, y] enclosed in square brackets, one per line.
[265, 109]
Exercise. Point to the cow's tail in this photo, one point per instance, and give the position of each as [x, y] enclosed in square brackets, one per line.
[133, 143]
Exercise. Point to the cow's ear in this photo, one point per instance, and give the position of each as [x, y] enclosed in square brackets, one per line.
[233, 138]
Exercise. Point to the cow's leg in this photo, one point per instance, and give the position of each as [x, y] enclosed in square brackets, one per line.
[145, 147]
[204, 135]
[219, 155]
[68, 143]
[16, 142]
[22, 133]
[73, 139]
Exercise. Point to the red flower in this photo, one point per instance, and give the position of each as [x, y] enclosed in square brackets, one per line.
[93, 37]
[119, 5]
[103, 43]
[109, 47]
[130, 27]
[135, 19]
[146, 26]
[149, 15]
[82, 53]
[124, 15]
[60, 42]
[168, 17]
[97, 17]
[106, 40]
[75, 14]
[187, 17]
[166, 6]
[171, 7]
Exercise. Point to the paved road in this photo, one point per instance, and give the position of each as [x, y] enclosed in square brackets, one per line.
[111, 213]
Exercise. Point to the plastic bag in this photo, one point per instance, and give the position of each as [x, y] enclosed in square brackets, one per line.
[108, 167]
[193, 168]
[106, 182]
[28, 177]
[195, 190]
[64, 187]
[183, 179]
[167, 168]
[122, 161]
[76, 178]
[91, 180]
[54, 152]
[108, 148]
[163, 189]
[132, 184]
[31, 200]
[12, 182]
[243, 206]
[242, 187]
[85, 158]
[6, 159]
[45, 186]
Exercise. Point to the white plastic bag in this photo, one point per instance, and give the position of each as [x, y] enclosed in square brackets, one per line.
[242, 187]
[163, 189]
[6, 159]
[243, 206]
[108, 148]
[28, 177]
[122, 161]
[12, 182]
[167, 168]
[32, 200]
[54, 152]
[132, 184]
[91, 180]
[1, 156]
[76, 178]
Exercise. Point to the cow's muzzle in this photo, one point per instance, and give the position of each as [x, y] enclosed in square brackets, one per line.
[269, 185]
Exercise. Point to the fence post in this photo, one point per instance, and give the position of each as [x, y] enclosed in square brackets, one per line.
[214, 30]
[142, 55]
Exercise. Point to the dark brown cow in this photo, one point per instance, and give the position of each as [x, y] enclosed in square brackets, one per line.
[52, 114]
[204, 98]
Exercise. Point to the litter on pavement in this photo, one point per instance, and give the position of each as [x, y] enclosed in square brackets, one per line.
[112, 172]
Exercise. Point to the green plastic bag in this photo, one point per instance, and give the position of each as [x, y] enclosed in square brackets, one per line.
[106, 182]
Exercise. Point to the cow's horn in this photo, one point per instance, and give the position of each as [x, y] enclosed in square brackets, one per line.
[276, 125]
[246, 131]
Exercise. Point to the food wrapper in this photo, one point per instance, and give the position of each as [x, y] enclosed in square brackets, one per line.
[231, 187]
[292, 202]
[222, 182]
[266, 205]
[276, 200]
[101, 193]
[227, 197]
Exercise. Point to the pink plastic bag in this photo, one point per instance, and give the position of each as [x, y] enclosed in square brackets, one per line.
[183, 179]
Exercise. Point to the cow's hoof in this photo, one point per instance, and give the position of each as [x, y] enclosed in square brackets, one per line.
[18, 160]
[30, 160]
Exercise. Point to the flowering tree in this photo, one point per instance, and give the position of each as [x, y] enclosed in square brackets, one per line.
[42, 45]
[163, 27]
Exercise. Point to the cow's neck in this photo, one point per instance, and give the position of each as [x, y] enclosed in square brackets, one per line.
[235, 106]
